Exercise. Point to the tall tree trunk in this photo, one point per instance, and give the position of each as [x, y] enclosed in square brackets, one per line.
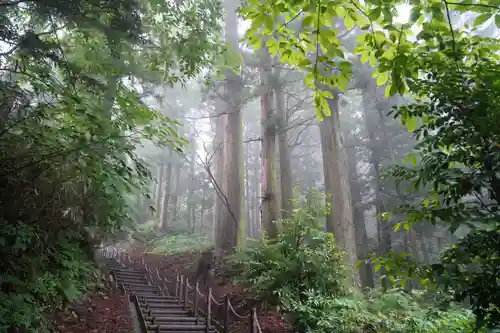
[159, 186]
[163, 221]
[190, 197]
[268, 177]
[425, 249]
[248, 197]
[340, 220]
[242, 223]
[227, 237]
[284, 150]
[383, 227]
[256, 204]
[202, 208]
[413, 245]
[218, 206]
[177, 192]
[365, 270]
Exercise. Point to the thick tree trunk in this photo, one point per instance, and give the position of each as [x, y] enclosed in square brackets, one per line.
[190, 198]
[268, 177]
[340, 220]
[284, 150]
[365, 270]
[163, 221]
[227, 236]
[159, 185]
[218, 207]
[177, 192]
[383, 227]
[413, 245]
[202, 208]
[425, 249]
[256, 203]
[242, 222]
[248, 197]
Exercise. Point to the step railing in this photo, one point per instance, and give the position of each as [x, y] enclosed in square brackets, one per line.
[182, 291]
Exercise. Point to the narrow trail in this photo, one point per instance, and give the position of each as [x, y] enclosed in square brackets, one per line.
[155, 311]
[164, 297]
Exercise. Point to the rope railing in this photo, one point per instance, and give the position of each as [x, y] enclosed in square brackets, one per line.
[182, 288]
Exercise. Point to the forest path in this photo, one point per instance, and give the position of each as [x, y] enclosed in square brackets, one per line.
[154, 308]
[165, 267]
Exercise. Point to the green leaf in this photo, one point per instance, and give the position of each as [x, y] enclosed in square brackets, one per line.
[415, 14]
[345, 67]
[382, 79]
[272, 45]
[309, 80]
[497, 20]
[411, 123]
[388, 89]
[482, 18]
[349, 22]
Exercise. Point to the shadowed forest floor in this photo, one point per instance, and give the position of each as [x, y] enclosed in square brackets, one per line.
[101, 312]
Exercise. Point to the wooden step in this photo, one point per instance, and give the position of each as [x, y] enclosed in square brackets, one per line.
[148, 298]
[165, 312]
[134, 284]
[175, 318]
[160, 301]
[135, 280]
[179, 328]
[161, 306]
[129, 272]
[139, 286]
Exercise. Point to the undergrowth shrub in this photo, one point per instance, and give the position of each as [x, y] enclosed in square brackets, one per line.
[302, 271]
[298, 269]
[37, 277]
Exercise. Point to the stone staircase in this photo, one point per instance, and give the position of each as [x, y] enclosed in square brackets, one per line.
[156, 311]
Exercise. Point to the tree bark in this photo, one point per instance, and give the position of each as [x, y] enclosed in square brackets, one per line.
[257, 206]
[284, 150]
[268, 123]
[248, 196]
[227, 236]
[218, 207]
[340, 219]
[190, 198]
[163, 221]
[365, 270]
[177, 191]
[159, 186]
[202, 208]
[383, 227]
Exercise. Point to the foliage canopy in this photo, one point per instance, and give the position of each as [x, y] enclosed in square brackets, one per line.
[71, 114]
[297, 29]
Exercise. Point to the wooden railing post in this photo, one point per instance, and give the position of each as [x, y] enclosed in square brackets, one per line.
[209, 310]
[181, 290]
[165, 286]
[177, 284]
[226, 314]
[253, 318]
[186, 293]
[195, 301]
